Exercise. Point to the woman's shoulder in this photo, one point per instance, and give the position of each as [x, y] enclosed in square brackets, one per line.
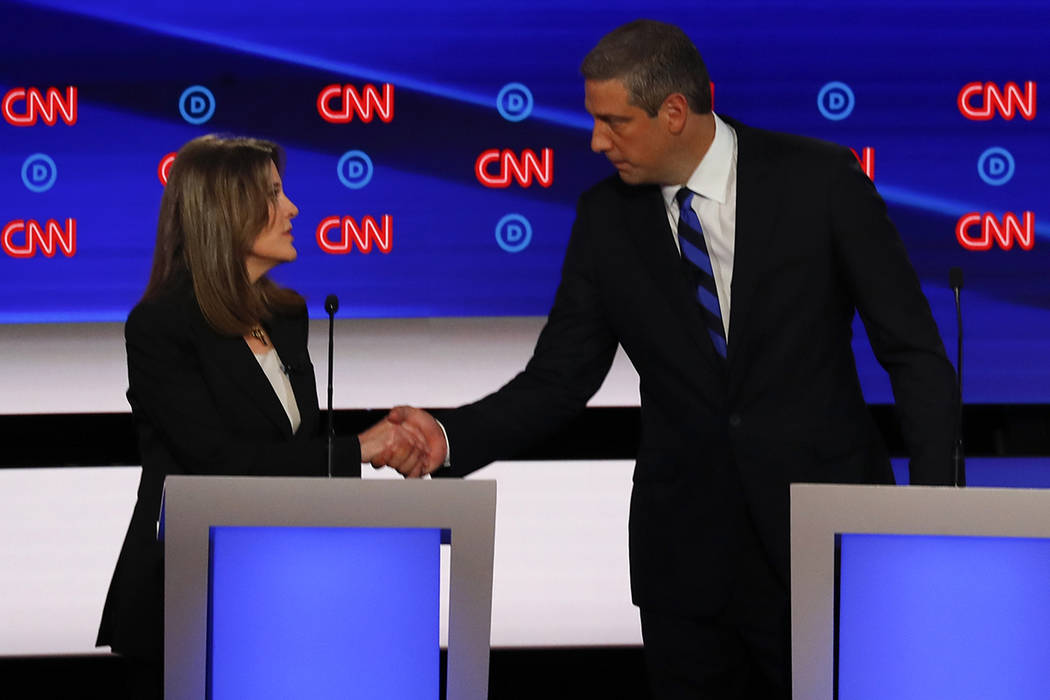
[173, 309]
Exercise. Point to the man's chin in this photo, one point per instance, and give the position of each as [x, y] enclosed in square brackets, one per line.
[630, 178]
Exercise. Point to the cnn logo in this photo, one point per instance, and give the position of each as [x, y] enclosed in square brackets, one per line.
[976, 231]
[981, 101]
[339, 104]
[23, 238]
[24, 106]
[523, 169]
[351, 234]
[866, 159]
[164, 168]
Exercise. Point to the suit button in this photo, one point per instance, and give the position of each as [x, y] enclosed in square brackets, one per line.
[734, 420]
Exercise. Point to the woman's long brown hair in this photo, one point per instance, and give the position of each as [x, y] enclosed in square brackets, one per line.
[219, 197]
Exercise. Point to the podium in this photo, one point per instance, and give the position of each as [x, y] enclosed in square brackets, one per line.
[263, 575]
[919, 592]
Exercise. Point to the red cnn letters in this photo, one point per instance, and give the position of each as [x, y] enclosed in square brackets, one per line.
[350, 102]
[164, 168]
[1007, 102]
[866, 158]
[990, 230]
[509, 165]
[23, 106]
[350, 234]
[47, 238]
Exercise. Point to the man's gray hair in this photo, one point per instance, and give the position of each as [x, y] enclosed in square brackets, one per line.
[654, 60]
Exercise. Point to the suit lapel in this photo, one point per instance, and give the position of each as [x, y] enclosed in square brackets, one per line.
[660, 257]
[756, 208]
[236, 360]
[291, 348]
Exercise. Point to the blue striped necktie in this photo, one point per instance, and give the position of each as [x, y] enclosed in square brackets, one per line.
[694, 252]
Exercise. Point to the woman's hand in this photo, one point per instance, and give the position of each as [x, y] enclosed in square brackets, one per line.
[401, 445]
[408, 439]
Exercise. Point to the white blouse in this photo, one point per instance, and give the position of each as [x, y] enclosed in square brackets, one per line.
[274, 369]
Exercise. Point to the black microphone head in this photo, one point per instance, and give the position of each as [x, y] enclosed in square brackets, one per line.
[955, 278]
[331, 303]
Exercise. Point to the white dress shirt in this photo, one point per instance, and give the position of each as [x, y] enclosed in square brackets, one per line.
[714, 182]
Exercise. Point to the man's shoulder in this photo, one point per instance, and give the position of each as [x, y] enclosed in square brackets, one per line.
[614, 190]
[779, 146]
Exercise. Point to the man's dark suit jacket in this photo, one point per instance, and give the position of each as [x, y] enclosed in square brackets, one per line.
[721, 440]
[202, 405]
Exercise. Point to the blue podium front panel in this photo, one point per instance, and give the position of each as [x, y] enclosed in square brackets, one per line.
[324, 613]
[938, 617]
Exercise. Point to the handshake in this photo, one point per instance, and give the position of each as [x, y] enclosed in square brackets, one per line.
[408, 439]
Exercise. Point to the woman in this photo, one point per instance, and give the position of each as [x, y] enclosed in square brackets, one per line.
[220, 381]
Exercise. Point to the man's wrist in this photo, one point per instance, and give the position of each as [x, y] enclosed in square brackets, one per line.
[448, 448]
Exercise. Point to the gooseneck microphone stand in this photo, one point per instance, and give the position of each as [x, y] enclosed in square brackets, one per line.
[955, 279]
[331, 305]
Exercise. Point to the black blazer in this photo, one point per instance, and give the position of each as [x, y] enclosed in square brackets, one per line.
[721, 440]
[202, 405]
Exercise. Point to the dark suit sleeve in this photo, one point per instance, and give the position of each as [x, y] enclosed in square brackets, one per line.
[896, 314]
[572, 357]
[168, 388]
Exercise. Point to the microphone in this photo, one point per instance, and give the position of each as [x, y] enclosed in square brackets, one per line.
[955, 280]
[331, 305]
[300, 364]
[331, 302]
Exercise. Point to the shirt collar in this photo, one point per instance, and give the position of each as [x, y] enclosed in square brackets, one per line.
[711, 177]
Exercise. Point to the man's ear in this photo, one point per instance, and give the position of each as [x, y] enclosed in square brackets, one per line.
[673, 112]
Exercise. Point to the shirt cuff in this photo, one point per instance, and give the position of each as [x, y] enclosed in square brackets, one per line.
[448, 448]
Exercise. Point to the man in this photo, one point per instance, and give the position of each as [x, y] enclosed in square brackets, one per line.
[728, 262]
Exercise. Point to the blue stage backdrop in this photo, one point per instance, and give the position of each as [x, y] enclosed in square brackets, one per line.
[436, 150]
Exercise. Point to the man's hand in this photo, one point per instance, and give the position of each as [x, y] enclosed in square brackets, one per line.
[420, 423]
[397, 444]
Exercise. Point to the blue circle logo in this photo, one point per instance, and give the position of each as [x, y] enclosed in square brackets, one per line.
[39, 172]
[836, 101]
[996, 166]
[355, 169]
[514, 102]
[513, 233]
[196, 104]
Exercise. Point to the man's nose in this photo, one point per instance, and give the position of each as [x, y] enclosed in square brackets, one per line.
[599, 139]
